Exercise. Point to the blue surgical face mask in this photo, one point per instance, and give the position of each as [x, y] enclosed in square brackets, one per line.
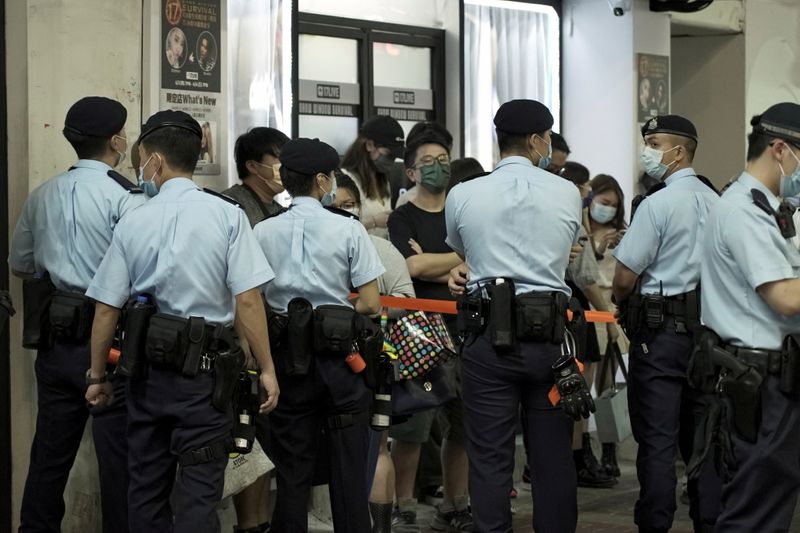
[650, 162]
[602, 214]
[545, 160]
[790, 185]
[148, 186]
[329, 197]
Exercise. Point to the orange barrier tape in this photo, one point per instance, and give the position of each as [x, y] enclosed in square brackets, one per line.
[448, 307]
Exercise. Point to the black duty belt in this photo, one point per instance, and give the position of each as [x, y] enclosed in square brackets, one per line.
[769, 360]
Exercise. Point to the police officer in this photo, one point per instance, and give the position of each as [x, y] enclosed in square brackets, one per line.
[318, 256]
[195, 254]
[64, 230]
[519, 223]
[751, 300]
[662, 250]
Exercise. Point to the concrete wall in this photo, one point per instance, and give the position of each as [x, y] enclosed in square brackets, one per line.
[708, 87]
[59, 51]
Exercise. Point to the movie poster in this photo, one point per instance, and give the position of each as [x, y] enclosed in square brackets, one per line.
[653, 86]
[191, 63]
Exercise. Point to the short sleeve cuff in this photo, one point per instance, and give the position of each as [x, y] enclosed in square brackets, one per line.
[370, 276]
[253, 282]
[113, 298]
[635, 266]
[759, 278]
[453, 246]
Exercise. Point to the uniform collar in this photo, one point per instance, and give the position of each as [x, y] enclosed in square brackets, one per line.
[177, 185]
[301, 201]
[679, 175]
[514, 159]
[748, 181]
[92, 164]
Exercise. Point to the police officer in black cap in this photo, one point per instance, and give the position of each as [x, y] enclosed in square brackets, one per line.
[658, 271]
[515, 228]
[318, 256]
[190, 263]
[64, 230]
[751, 302]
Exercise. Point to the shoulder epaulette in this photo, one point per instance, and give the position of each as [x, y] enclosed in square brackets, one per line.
[707, 183]
[221, 196]
[340, 212]
[122, 181]
[783, 217]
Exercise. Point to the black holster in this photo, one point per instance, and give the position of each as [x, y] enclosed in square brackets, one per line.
[135, 322]
[300, 335]
[333, 329]
[630, 314]
[37, 294]
[790, 365]
[502, 316]
[228, 363]
[542, 317]
[71, 315]
[744, 392]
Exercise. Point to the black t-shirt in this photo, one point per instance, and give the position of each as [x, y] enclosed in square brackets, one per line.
[429, 230]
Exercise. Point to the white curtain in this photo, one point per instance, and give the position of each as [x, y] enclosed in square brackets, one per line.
[259, 78]
[511, 50]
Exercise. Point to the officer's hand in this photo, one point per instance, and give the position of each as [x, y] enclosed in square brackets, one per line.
[100, 395]
[576, 399]
[415, 246]
[459, 276]
[270, 385]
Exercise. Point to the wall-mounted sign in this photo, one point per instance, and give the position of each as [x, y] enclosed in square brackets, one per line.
[329, 99]
[413, 105]
[653, 86]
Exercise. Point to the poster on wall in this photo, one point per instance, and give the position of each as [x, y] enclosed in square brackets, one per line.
[653, 85]
[191, 64]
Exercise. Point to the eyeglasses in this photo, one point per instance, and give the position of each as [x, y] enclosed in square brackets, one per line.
[443, 159]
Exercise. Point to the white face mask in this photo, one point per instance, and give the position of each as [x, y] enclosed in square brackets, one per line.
[790, 184]
[650, 162]
[602, 214]
[122, 155]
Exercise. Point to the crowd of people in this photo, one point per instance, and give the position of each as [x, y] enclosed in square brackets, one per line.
[195, 287]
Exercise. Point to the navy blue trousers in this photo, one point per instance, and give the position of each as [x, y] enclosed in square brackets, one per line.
[762, 494]
[663, 411]
[493, 389]
[169, 415]
[62, 416]
[297, 434]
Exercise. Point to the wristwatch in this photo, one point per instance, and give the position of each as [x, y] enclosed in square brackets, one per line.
[95, 381]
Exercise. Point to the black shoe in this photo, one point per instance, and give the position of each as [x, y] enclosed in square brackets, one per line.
[609, 459]
[589, 458]
[589, 477]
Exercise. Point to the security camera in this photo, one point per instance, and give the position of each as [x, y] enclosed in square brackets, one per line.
[619, 7]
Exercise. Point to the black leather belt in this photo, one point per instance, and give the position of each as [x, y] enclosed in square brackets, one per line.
[766, 360]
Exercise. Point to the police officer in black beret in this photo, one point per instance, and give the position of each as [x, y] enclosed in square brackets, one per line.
[515, 228]
[62, 235]
[318, 256]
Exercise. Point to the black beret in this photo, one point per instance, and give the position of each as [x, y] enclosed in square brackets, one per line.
[672, 124]
[523, 117]
[309, 156]
[781, 120]
[96, 116]
[385, 131]
[170, 118]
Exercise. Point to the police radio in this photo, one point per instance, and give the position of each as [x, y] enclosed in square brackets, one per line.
[783, 217]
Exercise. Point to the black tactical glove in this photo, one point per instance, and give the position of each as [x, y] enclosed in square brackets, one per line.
[576, 399]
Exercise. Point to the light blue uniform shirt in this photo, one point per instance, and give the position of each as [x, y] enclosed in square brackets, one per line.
[316, 254]
[664, 242]
[519, 223]
[191, 250]
[67, 224]
[743, 249]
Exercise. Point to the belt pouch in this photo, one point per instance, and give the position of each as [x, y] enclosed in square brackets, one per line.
[470, 317]
[692, 303]
[227, 366]
[71, 316]
[535, 317]
[36, 296]
[790, 366]
[502, 315]
[133, 362]
[276, 327]
[300, 332]
[194, 352]
[167, 341]
[333, 328]
[370, 345]
[744, 392]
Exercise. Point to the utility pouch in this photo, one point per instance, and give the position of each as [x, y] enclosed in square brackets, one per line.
[653, 309]
[370, 345]
[227, 366]
[744, 392]
[790, 365]
[37, 293]
[167, 341]
[502, 315]
[692, 302]
[333, 328]
[136, 319]
[300, 332]
[71, 316]
[196, 333]
[277, 326]
[470, 314]
[541, 317]
[630, 311]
